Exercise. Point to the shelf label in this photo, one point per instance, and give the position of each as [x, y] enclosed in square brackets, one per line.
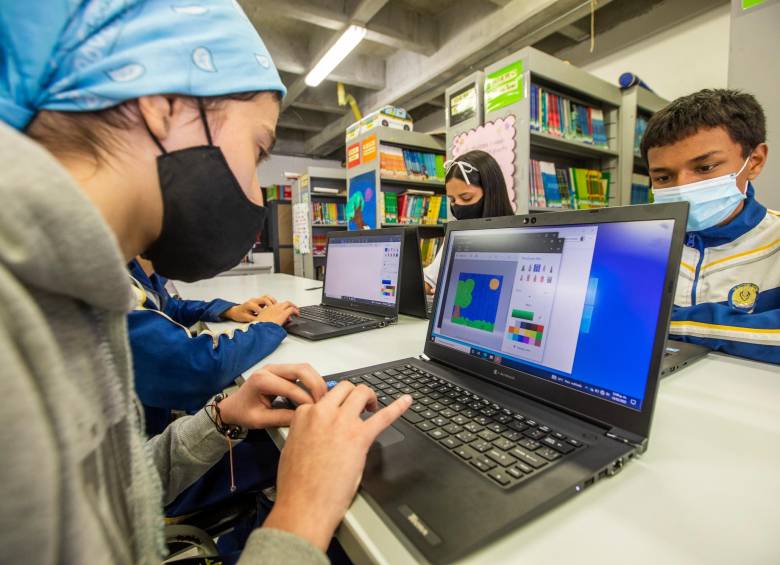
[504, 87]
[747, 4]
[369, 149]
[353, 155]
[463, 105]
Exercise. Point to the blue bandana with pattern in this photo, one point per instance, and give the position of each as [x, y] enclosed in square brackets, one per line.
[85, 55]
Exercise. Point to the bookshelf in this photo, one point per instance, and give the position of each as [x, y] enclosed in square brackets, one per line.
[395, 177]
[511, 132]
[318, 192]
[278, 234]
[638, 104]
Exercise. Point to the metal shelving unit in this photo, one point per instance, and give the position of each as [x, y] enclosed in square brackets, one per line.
[567, 80]
[306, 264]
[369, 162]
[636, 101]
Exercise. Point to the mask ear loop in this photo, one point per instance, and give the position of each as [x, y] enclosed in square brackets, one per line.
[202, 111]
[154, 137]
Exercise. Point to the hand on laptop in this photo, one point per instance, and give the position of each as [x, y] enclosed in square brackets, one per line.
[250, 310]
[429, 289]
[250, 406]
[279, 313]
[323, 460]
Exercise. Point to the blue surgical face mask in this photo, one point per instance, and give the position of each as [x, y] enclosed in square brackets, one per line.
[711, 201]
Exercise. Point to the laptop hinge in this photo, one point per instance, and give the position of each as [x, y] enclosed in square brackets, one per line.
[424, 357]
[640, 443]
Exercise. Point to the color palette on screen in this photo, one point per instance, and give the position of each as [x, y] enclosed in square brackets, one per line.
[526, 332]
[388, 288]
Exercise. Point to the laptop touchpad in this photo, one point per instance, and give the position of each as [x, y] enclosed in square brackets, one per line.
[388, 437]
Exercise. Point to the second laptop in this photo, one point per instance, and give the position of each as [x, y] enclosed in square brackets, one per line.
[361, 287]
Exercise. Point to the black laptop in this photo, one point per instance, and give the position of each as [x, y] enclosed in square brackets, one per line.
[416, 302]
[413, 299]
[680, 354]
[538, 377]
[361, 287]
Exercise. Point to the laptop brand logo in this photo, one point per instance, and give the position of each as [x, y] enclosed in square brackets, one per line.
[505, 375]
[419, 525]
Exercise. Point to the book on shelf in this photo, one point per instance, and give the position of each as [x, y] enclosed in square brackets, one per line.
[559, 116]
[639, 131]
[328, 213]
[319, 245]
[572, 188]
[278, 192]
[640, 189]
[410, 163]
[390, 213]
[414, 207]
[429, 247]
[326, 190]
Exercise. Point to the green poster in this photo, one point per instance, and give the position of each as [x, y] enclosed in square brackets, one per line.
[747, 4]
[504, 87]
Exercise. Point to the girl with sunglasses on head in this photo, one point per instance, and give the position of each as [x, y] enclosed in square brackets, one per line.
[476, 189]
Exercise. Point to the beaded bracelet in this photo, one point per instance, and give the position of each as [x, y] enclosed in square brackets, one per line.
[230, 432]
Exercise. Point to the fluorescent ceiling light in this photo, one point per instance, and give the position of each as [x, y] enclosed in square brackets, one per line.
[343, 47]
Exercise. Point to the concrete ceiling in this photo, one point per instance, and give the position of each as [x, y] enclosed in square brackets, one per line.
[414, 49]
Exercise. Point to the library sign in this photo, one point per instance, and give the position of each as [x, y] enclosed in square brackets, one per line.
[504, 87]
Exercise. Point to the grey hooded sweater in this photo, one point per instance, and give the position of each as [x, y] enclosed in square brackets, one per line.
[78, 481]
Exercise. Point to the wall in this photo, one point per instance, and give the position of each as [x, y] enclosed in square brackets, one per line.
[680, 60]
[272, 171]
[754, 66]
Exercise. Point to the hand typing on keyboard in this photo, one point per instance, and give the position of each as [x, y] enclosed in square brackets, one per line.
[324, 457]
[251, 406]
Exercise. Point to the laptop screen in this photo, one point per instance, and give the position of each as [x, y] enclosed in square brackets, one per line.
[363, 269]
[576, 305]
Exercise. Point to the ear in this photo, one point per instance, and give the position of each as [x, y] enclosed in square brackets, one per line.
[757, 161]
[157, 111]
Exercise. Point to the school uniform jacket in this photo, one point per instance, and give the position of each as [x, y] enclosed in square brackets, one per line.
[177, 368]
[728, 290]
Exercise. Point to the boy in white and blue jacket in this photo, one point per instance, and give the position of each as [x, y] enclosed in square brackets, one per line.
[177, 368]
[707, 148]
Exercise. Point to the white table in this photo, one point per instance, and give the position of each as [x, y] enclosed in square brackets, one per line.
[706, 491]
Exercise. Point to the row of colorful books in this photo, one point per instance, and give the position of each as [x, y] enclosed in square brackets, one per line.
[414, 207]
[559, 116]
[328, 213]
[429, 247]
[567, 187]
[640, 189]
[408, 163]
[278, 192]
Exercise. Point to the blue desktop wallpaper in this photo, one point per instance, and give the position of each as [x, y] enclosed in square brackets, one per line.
[630, 266]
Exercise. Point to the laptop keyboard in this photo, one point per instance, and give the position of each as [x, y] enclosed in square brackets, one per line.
[503, 445]
[332, 317]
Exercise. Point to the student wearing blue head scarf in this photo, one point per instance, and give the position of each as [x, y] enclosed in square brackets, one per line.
[135, 127]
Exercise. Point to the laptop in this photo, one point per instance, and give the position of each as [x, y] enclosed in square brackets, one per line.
[416, 302]
[413, 300]
[538, 377]
[361, 286]
[680, 354]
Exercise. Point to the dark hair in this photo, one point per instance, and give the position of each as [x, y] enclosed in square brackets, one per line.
[739, 113]
[93, 133]
[489, 178]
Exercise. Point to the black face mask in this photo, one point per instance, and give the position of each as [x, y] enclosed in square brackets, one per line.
[469, 211]
[209, 224]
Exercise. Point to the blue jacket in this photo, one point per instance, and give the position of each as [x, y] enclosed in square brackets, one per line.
[177, 369]
[728, 291]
